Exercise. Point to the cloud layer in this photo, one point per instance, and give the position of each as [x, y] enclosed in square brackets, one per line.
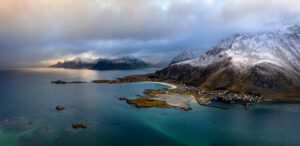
[33, 31]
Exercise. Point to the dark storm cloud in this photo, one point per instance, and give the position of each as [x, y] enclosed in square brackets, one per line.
[33, 31]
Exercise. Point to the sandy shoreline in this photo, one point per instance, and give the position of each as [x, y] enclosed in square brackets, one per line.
[163, 83]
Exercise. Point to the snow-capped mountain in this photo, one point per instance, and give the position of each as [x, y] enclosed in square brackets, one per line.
[186, 55]
[266, 62]
[125, 59]
[280, 47]
[77, 63]
[120, 63]
[103, 64]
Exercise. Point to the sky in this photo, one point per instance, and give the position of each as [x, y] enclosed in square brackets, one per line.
[41, 32]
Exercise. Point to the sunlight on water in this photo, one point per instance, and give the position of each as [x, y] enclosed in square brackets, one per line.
[84, 74]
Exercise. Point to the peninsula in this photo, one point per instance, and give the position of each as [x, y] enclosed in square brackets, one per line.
[242, 69]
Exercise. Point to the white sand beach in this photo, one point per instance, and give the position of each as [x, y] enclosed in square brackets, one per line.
[171, 85]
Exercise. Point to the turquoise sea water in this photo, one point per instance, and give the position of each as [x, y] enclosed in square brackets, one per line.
[28, 117]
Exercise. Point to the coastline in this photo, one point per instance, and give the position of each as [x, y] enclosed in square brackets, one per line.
[178, 95]
[154, 97]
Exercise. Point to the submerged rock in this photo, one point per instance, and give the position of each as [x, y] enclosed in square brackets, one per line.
[8, 120]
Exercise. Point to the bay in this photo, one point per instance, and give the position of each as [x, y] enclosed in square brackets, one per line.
[28, 115]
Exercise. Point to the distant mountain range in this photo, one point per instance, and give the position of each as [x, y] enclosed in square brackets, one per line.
[103, 64]
[265, 63]
[120, 63]
[78, 63]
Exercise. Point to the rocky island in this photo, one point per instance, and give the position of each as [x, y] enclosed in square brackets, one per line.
[79, 125]
[65, 82]
[147, 102]
[59, 108]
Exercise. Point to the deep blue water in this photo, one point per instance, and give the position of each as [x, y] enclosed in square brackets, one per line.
[28, 117]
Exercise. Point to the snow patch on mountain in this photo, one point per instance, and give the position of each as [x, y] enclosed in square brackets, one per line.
[279, 47]
[125, 59]
[186, 55]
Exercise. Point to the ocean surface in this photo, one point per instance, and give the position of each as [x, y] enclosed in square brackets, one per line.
[28, 116]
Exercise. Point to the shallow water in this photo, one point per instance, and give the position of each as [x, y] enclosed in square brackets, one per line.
[28, 117]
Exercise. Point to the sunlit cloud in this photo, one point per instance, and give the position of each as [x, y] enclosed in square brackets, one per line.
[32, 32]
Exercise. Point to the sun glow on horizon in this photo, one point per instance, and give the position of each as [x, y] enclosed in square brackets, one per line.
[88, 55]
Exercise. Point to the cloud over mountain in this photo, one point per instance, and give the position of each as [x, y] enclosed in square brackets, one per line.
[32, 31]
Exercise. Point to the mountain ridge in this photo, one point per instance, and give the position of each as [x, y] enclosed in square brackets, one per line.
[264, 63]
[186, 55]
[125, 62]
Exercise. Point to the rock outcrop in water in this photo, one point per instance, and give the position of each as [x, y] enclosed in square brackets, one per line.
[265, 63]
[78, 125]
[59, 108]
[65, 82]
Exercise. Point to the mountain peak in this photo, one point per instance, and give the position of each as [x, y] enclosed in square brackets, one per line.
[246, 50]
[265, 62]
